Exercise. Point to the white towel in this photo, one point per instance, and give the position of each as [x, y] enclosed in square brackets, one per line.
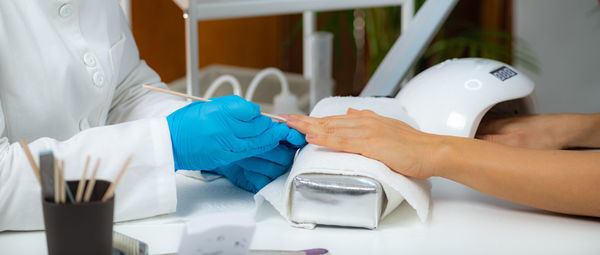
[396, 187]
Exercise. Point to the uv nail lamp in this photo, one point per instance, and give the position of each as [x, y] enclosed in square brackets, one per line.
[447, 99]
[452, 97]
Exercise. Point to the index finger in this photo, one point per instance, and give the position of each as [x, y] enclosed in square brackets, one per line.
[312, 125]
[300, 123]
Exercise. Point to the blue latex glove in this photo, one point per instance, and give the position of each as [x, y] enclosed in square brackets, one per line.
[253, 173]
[207, 135]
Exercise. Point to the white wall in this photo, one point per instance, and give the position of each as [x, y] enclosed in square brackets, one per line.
[565, 37]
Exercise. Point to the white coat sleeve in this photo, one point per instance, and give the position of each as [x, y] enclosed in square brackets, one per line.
[146, 189]
[136, 127]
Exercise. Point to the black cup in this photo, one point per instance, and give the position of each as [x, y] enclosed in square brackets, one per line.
[82, 228]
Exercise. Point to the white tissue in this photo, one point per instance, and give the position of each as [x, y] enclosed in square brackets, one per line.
[397, 187]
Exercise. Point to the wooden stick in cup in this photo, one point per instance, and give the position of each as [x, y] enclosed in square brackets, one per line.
[111, 189]
[34, 166]
[56, 183]
[90, 186]
[272, 116]
[82, 181]
[61, 173]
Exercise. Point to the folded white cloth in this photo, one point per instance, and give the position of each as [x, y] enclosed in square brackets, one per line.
[318, 159]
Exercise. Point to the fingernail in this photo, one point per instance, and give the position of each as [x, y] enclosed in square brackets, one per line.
[311, 136]
[283, 118]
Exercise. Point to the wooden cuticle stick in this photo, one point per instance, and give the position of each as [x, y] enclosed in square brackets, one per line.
[61, 174]
[111, 189]
[82, 181]
[56, 183]
[170, 92]
[34, 166]
[90, 185]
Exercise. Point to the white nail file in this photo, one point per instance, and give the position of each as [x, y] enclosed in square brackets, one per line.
[222, 233]
[47, 174]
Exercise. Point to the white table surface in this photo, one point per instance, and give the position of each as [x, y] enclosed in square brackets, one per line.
[462, 221]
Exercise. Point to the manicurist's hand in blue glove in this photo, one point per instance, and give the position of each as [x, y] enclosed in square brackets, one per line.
[213, 135]
[253, 173]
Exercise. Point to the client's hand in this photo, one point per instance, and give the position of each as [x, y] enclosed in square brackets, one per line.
[396, 144]
[542, 131]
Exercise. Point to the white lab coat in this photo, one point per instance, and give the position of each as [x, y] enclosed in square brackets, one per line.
[70, 78]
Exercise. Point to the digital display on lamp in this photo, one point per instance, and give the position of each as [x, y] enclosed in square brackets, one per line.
[503, 73]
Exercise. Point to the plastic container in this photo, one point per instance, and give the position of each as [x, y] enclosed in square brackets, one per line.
[82, 228]
[321, 82]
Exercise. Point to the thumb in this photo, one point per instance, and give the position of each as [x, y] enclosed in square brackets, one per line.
[238, 107]
[295, 138]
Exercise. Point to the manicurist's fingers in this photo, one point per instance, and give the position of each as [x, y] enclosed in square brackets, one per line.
[254, 127]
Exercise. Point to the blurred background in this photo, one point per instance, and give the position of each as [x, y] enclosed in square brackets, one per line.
[555, 42]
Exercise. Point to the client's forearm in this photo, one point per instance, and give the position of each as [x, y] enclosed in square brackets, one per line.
[554, 180]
